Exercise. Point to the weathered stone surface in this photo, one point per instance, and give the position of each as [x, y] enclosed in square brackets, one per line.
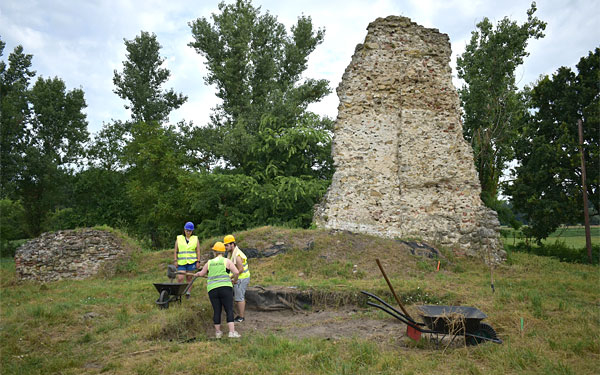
[69, 254]
[402, 166]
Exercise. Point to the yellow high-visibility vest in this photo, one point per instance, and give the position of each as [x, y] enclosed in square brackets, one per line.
[245, 271]
[217, 274]
[186, 251]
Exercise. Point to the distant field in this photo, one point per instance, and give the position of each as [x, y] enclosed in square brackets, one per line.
[573, 236]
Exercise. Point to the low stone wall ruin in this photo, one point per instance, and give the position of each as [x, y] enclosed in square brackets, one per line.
[70, 254]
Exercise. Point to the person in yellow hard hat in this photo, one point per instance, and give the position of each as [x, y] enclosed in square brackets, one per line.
[220, 288]
[187, 254]
[239, 288]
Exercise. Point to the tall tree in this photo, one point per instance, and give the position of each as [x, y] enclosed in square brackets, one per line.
[262, 127]
[153, 154]
[547, 183]
[141, 80]
[58, 131]
[491, 104]
[43, 132]
[14, 113]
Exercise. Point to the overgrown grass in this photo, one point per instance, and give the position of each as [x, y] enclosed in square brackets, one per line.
[567, 244]
[112, 326]
[573, 236]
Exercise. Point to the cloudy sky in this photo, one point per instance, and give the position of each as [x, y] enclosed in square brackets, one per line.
[81, 41]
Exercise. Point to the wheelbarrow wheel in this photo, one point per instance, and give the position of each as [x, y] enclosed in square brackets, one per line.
[484, 330]
[163, 300]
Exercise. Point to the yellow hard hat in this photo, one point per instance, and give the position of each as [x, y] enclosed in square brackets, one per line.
[228, 239]
[218, 246]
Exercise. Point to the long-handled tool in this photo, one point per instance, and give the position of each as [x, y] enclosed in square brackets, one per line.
[411, 331]
[393, 292]
[172, 272]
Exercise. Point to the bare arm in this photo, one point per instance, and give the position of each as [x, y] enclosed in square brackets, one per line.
[203, 271]
[232, 267]
[198, 254]
[239, 264]
[175, 252]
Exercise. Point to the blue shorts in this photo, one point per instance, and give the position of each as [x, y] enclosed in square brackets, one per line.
[187, 267]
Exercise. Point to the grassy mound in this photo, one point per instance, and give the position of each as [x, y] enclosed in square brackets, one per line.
[112, 326]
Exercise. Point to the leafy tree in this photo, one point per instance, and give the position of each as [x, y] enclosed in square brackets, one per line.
[141, 80]
[43, 132]
[547, 184]
[228, 202]
[57, 131]
[154, 167]
[262, 128]
[151, 153]
[106, 148]
[491, 104]
[275, 156]
[14, 112]
[99, 197]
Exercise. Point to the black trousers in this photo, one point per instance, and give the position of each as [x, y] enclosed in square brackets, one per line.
[222, 296]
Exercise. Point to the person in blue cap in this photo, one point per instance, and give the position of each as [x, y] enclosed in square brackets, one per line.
[187, 254]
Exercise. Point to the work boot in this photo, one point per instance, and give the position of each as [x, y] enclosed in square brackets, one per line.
[234, 335]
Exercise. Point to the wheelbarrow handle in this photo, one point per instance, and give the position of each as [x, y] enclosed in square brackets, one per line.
[187, 288]
[388, 306]
[185, 273]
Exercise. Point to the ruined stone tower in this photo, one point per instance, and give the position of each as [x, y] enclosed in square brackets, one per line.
[403, 168]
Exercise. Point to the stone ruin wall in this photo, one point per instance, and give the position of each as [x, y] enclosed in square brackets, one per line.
[69, 254]
[403, 168]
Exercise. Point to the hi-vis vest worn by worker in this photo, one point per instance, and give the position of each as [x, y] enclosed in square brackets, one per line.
[186, 251]
[217, 274]
[245, 272]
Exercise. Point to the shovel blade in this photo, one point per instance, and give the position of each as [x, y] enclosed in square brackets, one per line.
[413, 333]
[171, 271]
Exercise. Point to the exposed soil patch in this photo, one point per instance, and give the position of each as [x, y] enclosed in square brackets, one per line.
[325, 324]
[289, 312]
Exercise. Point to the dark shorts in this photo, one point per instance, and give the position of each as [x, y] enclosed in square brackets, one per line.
[187, 267]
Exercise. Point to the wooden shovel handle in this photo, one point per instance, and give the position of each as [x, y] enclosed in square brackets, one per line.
[392, 289]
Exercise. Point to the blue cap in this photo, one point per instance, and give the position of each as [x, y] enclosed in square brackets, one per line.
[189, 226]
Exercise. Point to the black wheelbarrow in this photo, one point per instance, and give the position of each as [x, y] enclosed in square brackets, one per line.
[443, 321]
[172, 292]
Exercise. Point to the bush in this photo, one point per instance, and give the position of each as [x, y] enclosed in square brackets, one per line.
[12, 220]
[8, 248]
[65, 218]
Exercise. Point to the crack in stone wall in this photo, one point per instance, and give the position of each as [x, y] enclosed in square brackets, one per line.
[403, 168]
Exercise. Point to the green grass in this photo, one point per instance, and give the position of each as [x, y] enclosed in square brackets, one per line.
[573, 237]
[112, 326]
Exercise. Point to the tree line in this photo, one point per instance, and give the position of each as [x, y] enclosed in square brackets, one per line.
[263, 158]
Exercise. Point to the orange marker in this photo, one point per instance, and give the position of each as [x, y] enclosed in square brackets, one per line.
[438, 267]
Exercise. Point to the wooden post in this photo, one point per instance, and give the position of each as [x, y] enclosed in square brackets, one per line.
[586, 215]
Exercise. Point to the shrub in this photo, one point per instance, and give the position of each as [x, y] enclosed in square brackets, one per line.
[65, 218]
[8, 248]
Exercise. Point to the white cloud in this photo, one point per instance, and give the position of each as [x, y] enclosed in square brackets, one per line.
[82, 42]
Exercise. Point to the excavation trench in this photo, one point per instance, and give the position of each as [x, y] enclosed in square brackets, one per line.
[289, 312]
